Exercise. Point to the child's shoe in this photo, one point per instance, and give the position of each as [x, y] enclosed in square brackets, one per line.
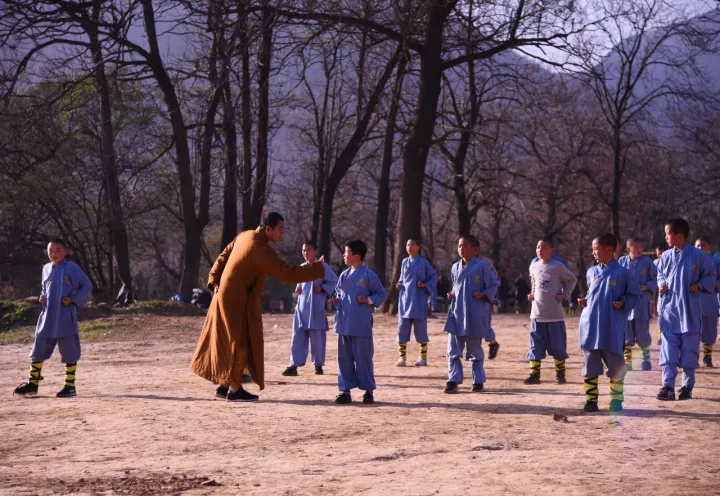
[477, 388]
[493, 350]
[291, 371]
[707, 362]
[451, 387]
[343, 399]
[27, 389]
[560, 379]
[400, 362]
[221, 392]
[685, 393]
[421, 362]
[319, 370]
[241, 396]
[368, 398]
[646, 366]
[615, 406]
[666, 394]
[590, 406]
[67, 392]
[532, 379]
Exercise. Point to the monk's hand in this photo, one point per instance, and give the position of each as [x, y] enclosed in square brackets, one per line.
[398, 285]
[617, 305]
[531, 297]
[66, 300]
[41, 299]
[643, 288]
[694, 288]
[335, 301]
[664, 290]
[477, 295]
[560, 298]
[298, 290]
[317, 289]
[362, 299]
[582, 301]
[321, 259]
[421, 284]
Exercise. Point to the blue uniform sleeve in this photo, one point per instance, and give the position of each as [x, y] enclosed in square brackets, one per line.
[661, 281]
[329, 281]
[708, 276]
[431, 281]
[490, 284]
[81, 284]
[652, 283]
[377, 291]
[632, 292]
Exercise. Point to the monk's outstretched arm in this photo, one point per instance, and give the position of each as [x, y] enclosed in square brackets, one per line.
[219, 266]
[268, 261]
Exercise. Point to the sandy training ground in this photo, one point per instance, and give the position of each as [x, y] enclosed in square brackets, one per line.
[143, 424]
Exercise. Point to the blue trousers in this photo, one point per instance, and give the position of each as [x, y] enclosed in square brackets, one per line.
[547, 337]
[301, 342]
[355, 363]
[594, 360]
[679, 350]
[69, 347]
[420, 327]
[709, 330]
[638, 331]
[475, 353]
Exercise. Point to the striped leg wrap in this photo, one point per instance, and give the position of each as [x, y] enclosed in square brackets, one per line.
[628, 354]
[591, 389]
[423, 350]
[560, 368]
[535, 368]
[707, 349]
[70, 369]
[402, 349]
[617, 389]
[35, 368]
[646, 354]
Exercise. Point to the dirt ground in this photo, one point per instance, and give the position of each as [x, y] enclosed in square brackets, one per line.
[143, 424]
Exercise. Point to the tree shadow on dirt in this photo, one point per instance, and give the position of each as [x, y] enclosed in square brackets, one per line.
[153, 397]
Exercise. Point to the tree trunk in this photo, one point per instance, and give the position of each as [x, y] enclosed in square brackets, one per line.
[115, 220]
[246, 119]
[230, 213]
[383, 205]
[617, 180]
[409, 223]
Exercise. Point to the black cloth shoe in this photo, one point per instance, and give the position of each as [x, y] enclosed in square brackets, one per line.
[241, 396]
[247, 379]
[707, 362]
[477, 388]
[291, 371]
[560, 379]
[493, 351]
[646, 366]
[368, 398]
[666, 394]
[27, 389]
[67, 392]
[344, 399]
[685, 393]
[533, 379]
[451, 387]
[319, 370]
[221, 392]
[615, 406]
[590, 406]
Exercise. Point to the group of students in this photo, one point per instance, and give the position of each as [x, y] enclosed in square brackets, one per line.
[615, 314]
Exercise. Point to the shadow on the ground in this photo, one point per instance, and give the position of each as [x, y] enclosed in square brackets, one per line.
[156, 397]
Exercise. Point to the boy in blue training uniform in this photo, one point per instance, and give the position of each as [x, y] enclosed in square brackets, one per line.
[310, 322]
[358, 290]
[65, 287]
[493, 345]
[418, 281]
[612, 293]
[474, 287]
[684, 272]
[709, 305]
[638, 325]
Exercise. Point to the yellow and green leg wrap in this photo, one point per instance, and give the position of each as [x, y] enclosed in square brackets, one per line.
[617, 389]
[535, 368]
[560, 368]
[402, 350]
[591, 389]
[423, 350]
[35, 369]
[70, 369]
[646, 353]
[628, 354]
[707, 349]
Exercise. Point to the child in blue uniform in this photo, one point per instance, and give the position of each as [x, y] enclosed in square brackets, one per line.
[684, 272]
[310, 322]
[358, 290]
[709, 305]
[612, 293]
[474, 287]
[493, 345]
[418, 281]
[65, 287]
[638, 325]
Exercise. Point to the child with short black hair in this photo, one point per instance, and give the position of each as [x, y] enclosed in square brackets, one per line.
[65, 287]
[709, 305]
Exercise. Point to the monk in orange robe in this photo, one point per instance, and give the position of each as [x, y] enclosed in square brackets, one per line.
[232, 337]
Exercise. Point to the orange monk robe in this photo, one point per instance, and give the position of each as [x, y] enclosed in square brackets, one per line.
[233, 326]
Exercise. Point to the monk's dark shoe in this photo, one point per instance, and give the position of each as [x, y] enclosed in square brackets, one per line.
[368, 398]
[343, 399]
[646, 366]
[493, 351]
[477, 388]
[291, 371]
[707, 361]
[451, 387]
[318, 370]
[27, 389]
[685, 393]
[615, 406]
[666, 394]
[67, 392]
[560, 379]
[247, 379]
[241, 395]
[532, 379]
[590, 406]
[221, 392]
